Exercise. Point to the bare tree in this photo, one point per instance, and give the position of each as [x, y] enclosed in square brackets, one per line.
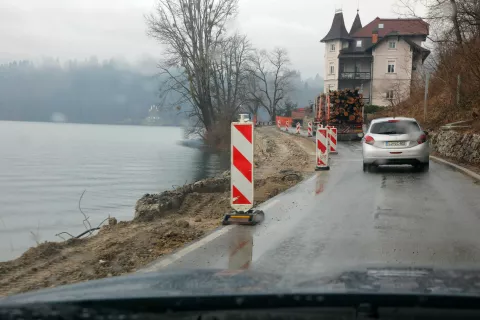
[191, 30]
[273, 78]
[449, 19]
[229, 76]
[254, 96]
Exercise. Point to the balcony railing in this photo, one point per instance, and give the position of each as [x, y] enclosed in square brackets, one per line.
[355, 75]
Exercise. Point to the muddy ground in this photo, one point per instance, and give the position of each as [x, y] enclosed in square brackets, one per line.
[281, 161]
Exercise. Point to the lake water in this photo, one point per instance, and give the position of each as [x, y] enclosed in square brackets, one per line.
[44, 168]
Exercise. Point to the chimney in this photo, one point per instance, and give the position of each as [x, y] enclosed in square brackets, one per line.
[374, 36]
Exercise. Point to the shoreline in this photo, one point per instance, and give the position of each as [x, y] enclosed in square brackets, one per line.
[281, 161]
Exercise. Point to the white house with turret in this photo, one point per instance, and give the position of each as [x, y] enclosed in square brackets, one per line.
[381, 58]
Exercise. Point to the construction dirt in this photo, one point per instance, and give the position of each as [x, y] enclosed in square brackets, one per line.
[281, 161]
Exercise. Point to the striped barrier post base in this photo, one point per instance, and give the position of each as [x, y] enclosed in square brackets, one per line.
[297, 131]
[309, 129]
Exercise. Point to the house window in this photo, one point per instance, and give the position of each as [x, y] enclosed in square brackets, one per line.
[332, 47]
[345, 45]
[389, 95]
[380, 26]
[332, 69]
[391, 66]
[359, 43]
[392, 45]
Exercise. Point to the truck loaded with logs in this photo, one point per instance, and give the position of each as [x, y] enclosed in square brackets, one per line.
[342, 109]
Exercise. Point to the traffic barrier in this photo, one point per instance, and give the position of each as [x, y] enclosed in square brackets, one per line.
[309, 129]
[298, 128]
[279, 123]
[242, 166]
[333, 139]
[322, 149]
[283, 120]
[286, 125]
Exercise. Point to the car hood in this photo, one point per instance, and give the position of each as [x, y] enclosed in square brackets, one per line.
[209, 282]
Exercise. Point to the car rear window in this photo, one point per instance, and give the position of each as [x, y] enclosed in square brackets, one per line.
[397, 127]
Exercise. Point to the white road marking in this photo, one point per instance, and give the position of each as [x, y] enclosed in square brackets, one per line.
[269, 204]
[172, 258]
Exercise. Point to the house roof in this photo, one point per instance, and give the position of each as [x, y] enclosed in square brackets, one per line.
[406, 27]
[424, 52]
[337, 30]
[357, 24]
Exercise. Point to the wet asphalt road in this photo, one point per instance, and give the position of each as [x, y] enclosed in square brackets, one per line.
[345, 219]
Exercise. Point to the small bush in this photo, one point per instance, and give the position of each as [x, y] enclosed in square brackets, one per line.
[371, 108]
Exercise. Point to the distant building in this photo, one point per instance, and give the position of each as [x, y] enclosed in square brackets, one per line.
[382, 58]
[153, 115]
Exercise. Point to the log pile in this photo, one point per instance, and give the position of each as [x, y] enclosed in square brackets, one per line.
[345, 107]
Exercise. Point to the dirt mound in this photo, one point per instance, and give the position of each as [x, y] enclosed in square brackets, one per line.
[152, 206]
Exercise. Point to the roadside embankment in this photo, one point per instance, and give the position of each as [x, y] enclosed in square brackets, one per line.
[163, 222]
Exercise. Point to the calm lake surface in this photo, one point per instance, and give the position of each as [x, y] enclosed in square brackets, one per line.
[44, 168]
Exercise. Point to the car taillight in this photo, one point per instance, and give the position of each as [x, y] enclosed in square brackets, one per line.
[392, 120]
[369, 140]
[422, 139]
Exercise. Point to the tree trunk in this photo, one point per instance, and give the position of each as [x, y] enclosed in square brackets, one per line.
[456, 27]
[274, 115]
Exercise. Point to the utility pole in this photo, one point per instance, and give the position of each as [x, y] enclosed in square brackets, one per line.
[427, 78]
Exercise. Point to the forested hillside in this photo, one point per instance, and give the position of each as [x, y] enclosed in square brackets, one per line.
[82, 92]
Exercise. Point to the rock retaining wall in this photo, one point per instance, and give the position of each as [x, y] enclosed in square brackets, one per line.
[152, 206]
[464, 147]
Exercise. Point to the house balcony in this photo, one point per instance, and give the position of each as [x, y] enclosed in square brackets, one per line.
[355, 76]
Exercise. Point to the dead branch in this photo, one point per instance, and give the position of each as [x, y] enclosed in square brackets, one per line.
[64, 232]
[86, 222]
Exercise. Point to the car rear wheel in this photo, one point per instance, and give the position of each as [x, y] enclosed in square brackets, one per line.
[424, 167]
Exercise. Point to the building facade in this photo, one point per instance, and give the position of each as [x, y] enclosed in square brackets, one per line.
[382, 58]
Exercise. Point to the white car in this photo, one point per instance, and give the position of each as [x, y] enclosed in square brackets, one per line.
[395, 141]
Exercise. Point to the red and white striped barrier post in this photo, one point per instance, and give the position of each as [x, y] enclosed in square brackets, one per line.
[241, 169]
[241, 175]
[279, 124]
[286, 125]
[333, 139]
[297, 131]
[309, 129]
[322, 149]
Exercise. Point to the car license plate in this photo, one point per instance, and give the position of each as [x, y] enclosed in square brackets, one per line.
[395, 143]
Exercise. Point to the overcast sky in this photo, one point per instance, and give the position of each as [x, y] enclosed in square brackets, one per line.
[68, 29]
